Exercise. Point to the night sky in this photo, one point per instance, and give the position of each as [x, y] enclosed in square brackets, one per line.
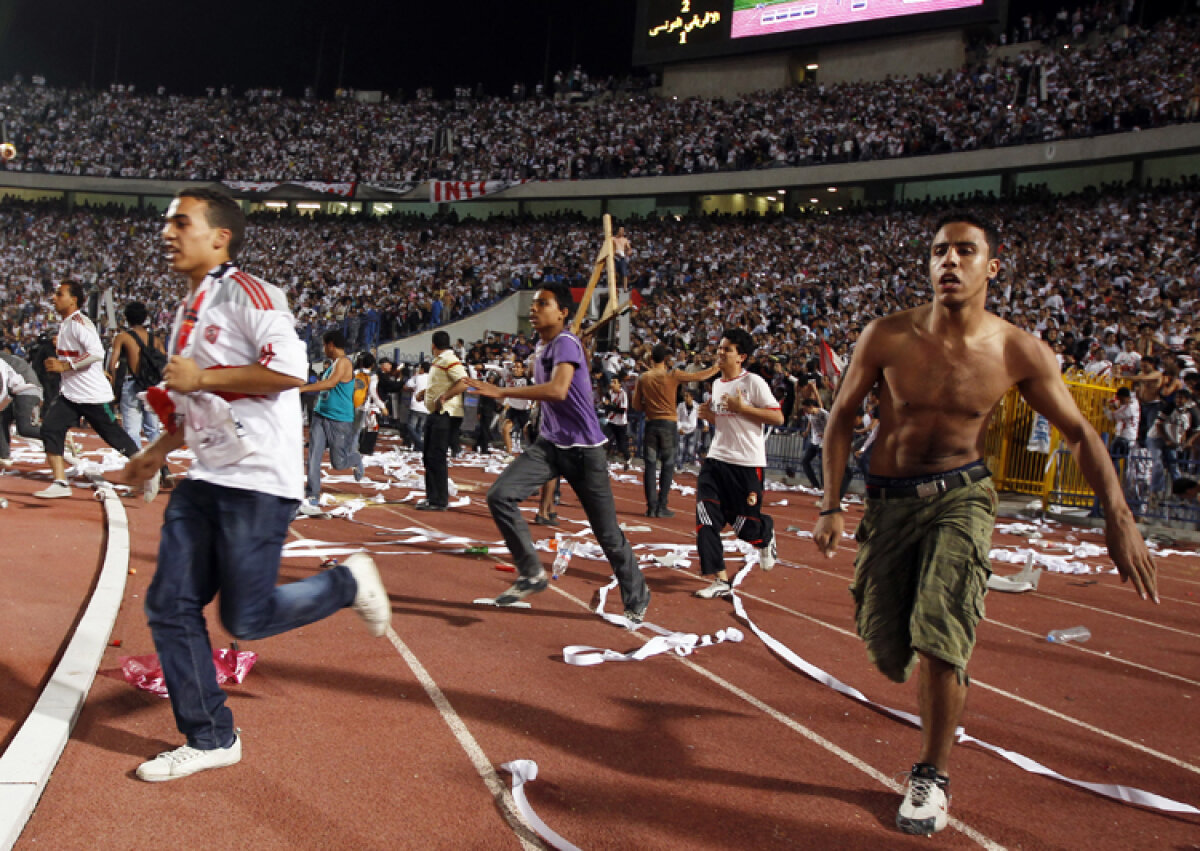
[367, 44]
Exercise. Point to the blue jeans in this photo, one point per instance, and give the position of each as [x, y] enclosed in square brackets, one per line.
[687, 447]
[342, 440]
[217, 538]
[586, 471]
[137, 418]
[416, 429]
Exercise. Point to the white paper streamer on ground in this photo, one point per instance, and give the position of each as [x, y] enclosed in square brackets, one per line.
[1026, 580]
[1053, 563]
[1119, 793]
[525, 771]
[667, 641]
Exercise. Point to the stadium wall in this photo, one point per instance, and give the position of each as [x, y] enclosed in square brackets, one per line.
[501, 318]
[922, 53]
[877, 59]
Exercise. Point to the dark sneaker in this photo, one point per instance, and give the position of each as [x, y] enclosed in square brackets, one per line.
[185, 761]
[426, 505]
[638, 614]
[719, 588]
[522, 588]
[664, 512]
[925, 808]
[542, 520]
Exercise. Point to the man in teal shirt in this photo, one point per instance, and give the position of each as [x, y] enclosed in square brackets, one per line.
[332, 421]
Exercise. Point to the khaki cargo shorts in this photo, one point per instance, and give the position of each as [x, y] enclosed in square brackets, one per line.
[921, 575]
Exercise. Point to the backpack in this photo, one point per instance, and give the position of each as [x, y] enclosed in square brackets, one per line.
[151, 363]
[362, 383]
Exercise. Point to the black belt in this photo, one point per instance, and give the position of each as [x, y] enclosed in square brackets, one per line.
[948, 482]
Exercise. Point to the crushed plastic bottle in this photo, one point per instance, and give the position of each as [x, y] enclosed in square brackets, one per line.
[1075, 633]
[566, 546]
[477, 549]
[3, 502]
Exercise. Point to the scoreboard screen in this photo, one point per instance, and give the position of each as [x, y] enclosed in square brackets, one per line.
[763, 17]
[677, 30]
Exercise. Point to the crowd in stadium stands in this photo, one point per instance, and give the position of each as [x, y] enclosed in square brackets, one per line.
[1114, 78]
[1090, 269]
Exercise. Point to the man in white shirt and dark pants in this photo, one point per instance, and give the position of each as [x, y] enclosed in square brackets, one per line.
[729, 489]
[79, 358]
[235, 369]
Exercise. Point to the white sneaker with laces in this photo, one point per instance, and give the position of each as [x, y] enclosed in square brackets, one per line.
[185, 761]
[768, 554]
[57, 490]
[371, 600]
[925, 808]
[719, 588]
[311, 508]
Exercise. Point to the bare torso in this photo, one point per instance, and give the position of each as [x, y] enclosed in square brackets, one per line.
[937, 391]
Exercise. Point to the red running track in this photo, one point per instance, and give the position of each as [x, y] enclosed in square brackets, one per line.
[346, 748]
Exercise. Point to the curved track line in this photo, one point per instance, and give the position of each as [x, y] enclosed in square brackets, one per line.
[29, 759]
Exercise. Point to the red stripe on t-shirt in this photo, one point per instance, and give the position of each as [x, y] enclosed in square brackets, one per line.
[258, 295]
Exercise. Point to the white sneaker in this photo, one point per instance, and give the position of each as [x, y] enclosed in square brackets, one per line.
[925, 808]
[150, 488]
[181, 762]
[57, 490]
[768, 554]
[371, 601]
[719, 588]
[311, 508]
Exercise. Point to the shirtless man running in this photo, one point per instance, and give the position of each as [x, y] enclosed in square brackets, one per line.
[922, 564]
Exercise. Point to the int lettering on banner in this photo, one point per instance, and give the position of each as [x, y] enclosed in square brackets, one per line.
[445, 191]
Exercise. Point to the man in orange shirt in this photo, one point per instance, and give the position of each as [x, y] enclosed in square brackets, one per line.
[656, 396]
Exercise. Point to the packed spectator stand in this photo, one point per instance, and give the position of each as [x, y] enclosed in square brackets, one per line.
[1089, 268]
[1094, 76]
[1088, 273]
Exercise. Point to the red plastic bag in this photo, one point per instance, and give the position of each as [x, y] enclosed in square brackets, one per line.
[145, 672]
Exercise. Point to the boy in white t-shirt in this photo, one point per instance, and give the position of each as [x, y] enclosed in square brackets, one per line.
[729, 489]
[79, 359]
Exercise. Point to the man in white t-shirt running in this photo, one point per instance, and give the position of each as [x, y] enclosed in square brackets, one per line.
[729, 489]
[235, 368]
[79, 358]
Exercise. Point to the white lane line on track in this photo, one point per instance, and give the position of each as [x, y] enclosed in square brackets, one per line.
[994, 689]
[499, 791]
[1137, 746]
[1126, 617]
[1029, 703]
[807, 733]
[1106, 656]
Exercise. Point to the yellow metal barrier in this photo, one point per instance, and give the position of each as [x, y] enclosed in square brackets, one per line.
[1017, 469]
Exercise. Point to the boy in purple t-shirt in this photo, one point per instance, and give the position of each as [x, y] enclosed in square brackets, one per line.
[570, 444]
